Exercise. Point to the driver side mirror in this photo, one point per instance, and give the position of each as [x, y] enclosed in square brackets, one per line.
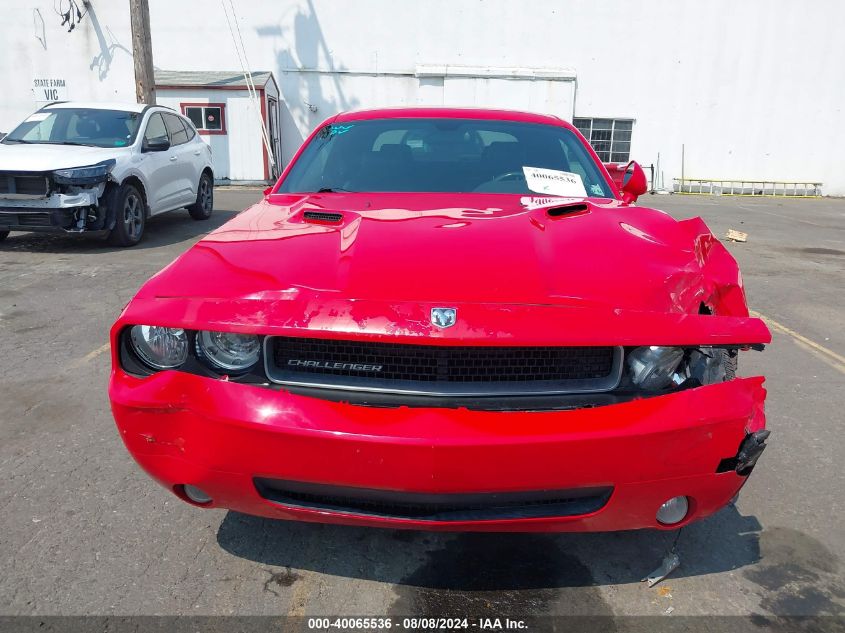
[158, 144]
[634, 183]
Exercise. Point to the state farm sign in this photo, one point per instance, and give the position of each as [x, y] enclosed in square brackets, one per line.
[49, 89]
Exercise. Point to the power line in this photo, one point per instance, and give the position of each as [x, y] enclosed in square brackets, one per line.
[250, 84]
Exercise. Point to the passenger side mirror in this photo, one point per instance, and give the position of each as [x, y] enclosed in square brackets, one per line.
[634, 183]
[158, 144]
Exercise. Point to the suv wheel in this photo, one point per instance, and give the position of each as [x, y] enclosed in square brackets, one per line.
[129, 217]
[3, 235]
[201, 209]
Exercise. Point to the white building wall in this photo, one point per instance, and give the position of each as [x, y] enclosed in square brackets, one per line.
[94, 60]
[753, 89]
[238, 154]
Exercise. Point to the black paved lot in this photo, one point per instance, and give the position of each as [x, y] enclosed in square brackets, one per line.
[84, 531]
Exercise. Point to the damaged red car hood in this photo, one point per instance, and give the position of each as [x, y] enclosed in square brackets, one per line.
[601, 260]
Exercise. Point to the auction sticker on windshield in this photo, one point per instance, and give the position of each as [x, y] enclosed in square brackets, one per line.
[553, 182]
[539, 202]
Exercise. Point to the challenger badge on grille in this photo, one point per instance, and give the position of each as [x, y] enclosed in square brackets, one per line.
[321, 364]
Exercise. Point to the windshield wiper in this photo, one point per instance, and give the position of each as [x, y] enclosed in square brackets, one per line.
[69, 143]
[23, 141]
[334, 190]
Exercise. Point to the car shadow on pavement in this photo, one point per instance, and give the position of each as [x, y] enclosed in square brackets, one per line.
[162, 230]
[492, 562]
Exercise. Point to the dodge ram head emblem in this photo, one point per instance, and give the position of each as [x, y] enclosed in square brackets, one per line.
[443, 317]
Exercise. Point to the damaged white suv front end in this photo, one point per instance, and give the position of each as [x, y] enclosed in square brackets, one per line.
[101, 169]
[60, 200]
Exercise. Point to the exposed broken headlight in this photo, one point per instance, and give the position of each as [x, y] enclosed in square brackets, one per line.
[654, 368]
[89, 175]
[709, 365]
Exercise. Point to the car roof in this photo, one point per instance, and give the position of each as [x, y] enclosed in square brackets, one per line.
[451, 113]
[100, 105]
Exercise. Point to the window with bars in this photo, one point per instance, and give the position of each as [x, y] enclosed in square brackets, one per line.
[611, 138]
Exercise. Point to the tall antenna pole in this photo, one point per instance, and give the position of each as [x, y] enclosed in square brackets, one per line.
[142, 51]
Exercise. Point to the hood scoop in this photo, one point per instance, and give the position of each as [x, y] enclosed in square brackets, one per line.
[566, 209]
[322, 217]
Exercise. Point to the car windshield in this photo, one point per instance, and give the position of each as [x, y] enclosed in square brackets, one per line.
[77, 126]
[446, 155]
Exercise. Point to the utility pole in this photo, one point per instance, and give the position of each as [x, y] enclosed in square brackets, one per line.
[142, 51]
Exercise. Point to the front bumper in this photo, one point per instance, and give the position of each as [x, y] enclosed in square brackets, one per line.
[57, 213]
[221, 437]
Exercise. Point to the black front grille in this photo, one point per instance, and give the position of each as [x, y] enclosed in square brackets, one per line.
[34, 219]
[426, 368]
[487, 506]
[34, 184]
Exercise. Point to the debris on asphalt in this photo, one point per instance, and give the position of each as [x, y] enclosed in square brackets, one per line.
[736, 236]
[670, 563]
[668, 610]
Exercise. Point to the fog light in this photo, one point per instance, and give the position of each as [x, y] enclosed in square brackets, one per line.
[196, 495]
[673, 511]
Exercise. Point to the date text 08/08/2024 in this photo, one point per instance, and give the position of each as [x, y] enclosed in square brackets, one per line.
[416, 623]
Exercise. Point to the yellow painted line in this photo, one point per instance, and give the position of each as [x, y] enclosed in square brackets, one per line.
[833, 359]
[91, 355]
[302, 590]
[825, 359]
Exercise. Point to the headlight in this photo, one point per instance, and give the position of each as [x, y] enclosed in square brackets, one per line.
[84, 175]
[160, 347]
[711, 365]
[652, 368]
[229, 351]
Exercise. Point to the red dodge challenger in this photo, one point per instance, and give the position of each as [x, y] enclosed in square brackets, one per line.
[446, 319]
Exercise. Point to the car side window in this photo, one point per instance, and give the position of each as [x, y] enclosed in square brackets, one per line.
[155, 128]
[190, 129]
[178, 134]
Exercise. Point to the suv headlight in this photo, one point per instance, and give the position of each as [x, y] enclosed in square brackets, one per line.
[228, 351]
[89, 175]
[159, 347]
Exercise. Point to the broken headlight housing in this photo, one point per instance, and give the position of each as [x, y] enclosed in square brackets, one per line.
[89, 175]
[652, 368]
[656, 368]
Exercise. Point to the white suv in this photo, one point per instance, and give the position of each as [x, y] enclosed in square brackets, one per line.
[102, 169]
